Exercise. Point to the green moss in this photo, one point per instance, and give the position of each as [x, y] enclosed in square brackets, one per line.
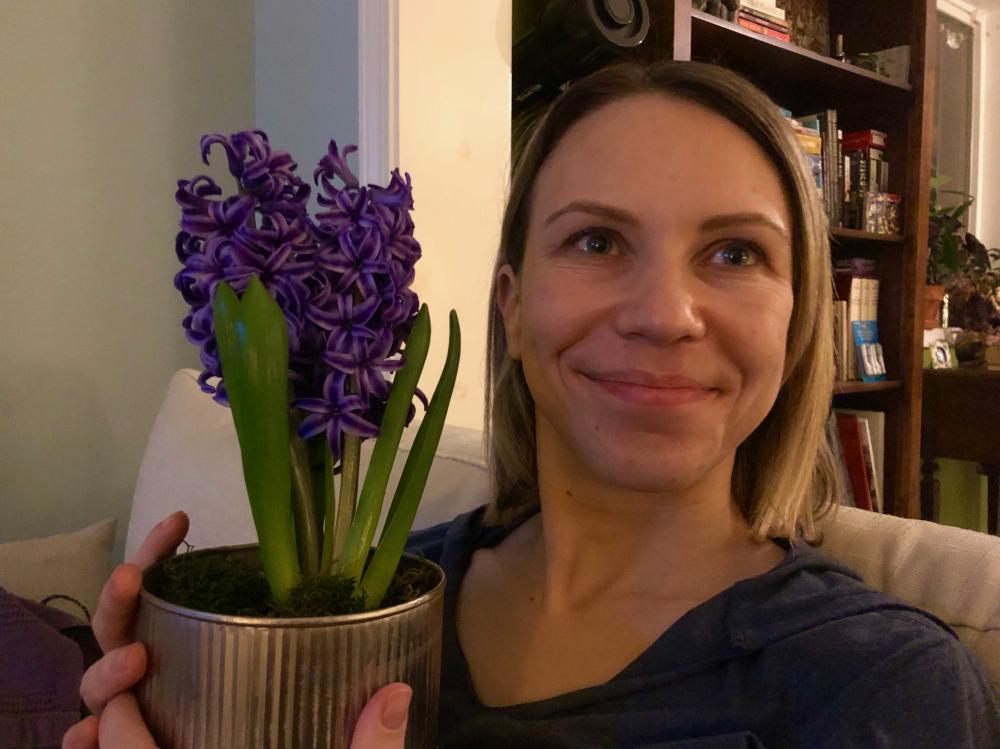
[235, 586]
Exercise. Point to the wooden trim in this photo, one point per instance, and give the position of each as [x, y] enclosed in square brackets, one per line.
[920, 123]
[378, 89]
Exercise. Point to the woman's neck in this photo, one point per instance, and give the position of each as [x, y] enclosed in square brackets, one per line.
[592, 545]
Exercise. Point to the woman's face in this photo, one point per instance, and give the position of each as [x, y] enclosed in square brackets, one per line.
[652, 308]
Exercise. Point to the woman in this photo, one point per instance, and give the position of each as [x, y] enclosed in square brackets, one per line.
[660, 367]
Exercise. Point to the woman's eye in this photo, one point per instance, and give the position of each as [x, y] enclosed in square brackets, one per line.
[593, 242]
[738, 254]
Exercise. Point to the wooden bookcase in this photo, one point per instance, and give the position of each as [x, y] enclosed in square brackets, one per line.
[804, 81]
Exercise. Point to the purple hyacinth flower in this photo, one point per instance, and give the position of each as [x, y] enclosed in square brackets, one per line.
[357, 260]
[368, 362]
[334, 165]
[337, 411]
[267, 174]
[347, 321]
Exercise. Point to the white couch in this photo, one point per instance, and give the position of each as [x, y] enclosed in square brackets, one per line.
[192, 463]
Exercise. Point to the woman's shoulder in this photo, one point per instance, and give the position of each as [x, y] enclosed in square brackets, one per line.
[876, 664]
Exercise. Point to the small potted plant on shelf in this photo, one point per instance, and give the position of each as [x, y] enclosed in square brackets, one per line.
[299, 320]
[944, 248]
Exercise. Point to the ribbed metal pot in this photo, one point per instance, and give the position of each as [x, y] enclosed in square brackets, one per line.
[215, 682]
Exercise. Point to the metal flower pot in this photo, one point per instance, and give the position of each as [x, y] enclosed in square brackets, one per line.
[217, 681]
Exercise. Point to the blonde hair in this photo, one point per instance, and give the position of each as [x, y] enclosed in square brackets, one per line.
[784, 477]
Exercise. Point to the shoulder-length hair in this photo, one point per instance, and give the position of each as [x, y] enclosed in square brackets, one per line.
[784, 477]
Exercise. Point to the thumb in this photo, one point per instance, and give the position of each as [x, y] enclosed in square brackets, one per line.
[382, 723]
[121, 725]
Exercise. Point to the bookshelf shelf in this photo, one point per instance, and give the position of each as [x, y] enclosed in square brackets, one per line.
[803, 79]
[855, 235]
[842, 387]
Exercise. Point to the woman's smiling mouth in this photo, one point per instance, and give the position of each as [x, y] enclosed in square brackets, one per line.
[648, 389]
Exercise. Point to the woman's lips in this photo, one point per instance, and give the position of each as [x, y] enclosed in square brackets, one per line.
[649, 395]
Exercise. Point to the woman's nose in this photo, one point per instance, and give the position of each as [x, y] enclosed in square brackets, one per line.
[661, 301]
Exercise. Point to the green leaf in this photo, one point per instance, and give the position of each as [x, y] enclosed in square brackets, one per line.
[253, 348]
[359, 539]
[414, 479]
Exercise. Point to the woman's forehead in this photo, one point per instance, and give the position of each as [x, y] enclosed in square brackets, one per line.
[657, 152]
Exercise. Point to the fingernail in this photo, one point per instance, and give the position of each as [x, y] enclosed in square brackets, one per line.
[168, 519]
[395, 711]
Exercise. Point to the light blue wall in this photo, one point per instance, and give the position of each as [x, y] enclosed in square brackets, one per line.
[306, 82]
[103, 106]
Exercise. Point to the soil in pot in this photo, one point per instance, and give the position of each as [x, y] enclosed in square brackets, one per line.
[220, 583]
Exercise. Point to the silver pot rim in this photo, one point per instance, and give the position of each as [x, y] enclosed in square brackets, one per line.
[298, 622]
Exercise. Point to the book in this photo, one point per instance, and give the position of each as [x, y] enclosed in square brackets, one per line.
[825, 122]
[758, 29]
[833, 439]
[764, 20]
[764, 7]
[854, 459]
[859, 139]
[841, 337]
[848, 274]
[876, 430]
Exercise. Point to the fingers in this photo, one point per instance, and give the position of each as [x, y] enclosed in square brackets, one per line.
[83, 735]
[382, 724]
[162, 541]
[115, 615]
[122, 725]
[117, 671]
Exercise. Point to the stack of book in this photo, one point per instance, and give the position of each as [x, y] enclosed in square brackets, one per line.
[763, 17]
[858, 353]
[869, 205]
[857, 439]
[850, 170]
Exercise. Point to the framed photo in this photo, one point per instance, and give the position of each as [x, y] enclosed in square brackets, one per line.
[942, 355]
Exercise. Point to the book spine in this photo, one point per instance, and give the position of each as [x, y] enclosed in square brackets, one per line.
[758, 29]
[838, 200]
[833, 438]
[868, 454]
[859, 139]
[763, 20]
[850, 440]
[764, 7]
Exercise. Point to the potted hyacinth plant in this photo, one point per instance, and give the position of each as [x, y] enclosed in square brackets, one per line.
[300, 321]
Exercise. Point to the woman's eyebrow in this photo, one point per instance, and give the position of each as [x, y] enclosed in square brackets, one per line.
[599, 209]
[722, 221]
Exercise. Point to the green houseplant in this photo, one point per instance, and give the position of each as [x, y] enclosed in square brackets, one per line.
[300, 320]
[944, 248]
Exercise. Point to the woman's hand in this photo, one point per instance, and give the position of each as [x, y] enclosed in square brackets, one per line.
[116, 720]
[382, 723]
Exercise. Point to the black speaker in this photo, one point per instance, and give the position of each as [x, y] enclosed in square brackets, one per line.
[561, 40]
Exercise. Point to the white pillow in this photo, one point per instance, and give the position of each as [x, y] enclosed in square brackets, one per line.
[75, 565]
[192, 463]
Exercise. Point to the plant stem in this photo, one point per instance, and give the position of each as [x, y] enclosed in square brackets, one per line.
[303, 505]
[350, 465]
[329, 508]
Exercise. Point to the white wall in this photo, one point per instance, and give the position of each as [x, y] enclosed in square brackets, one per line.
[989, 197]
[103, 105]
[306, 87]
[454, 140]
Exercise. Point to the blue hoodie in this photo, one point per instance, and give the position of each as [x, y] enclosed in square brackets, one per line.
[805, 655]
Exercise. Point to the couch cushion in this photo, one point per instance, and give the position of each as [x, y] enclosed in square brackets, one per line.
[951, 572]
[74, 565]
